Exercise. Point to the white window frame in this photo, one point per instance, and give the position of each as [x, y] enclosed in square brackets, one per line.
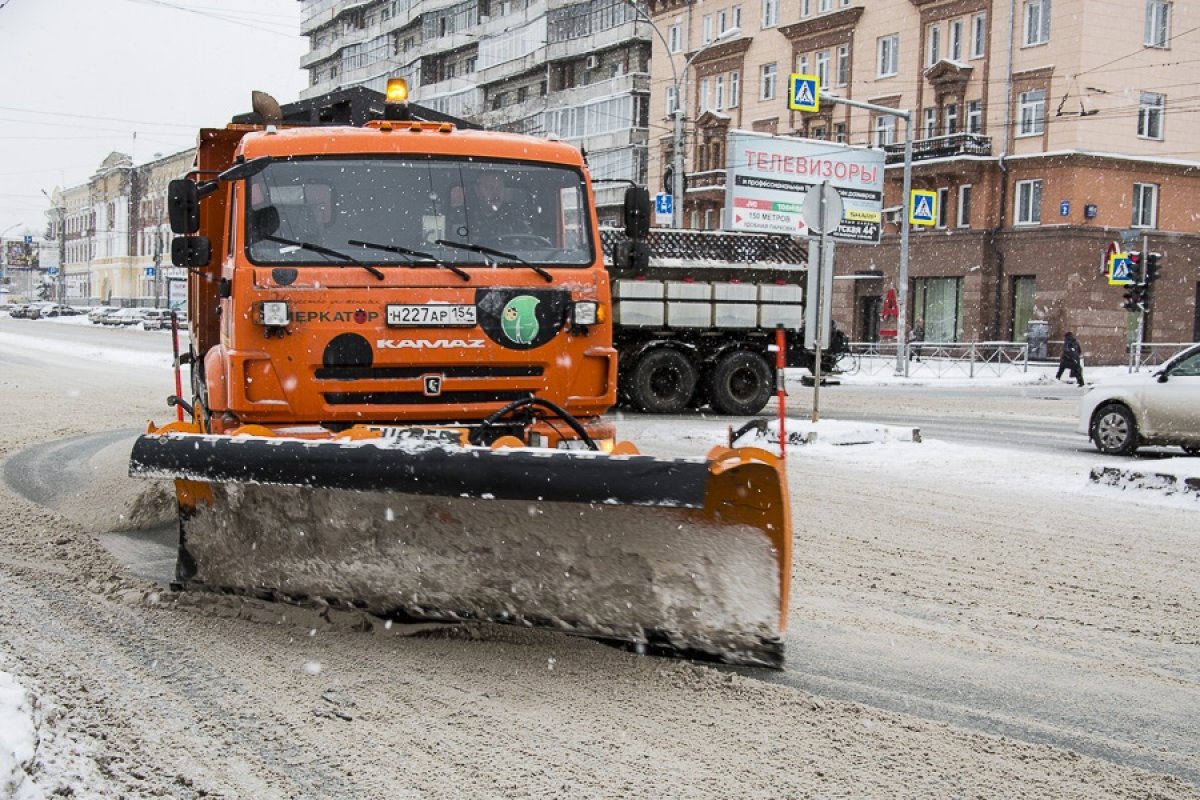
[1158, 24]
[887, 62]
[770, 13]
[719, 92]
[1027, 203]
[703, 99]
[963, 211]
[735, 86]
[672, 100]
[824, 6]
[823, 67]
[736, 18]
[768, 78]
[839, 132]
[1031, 113]
[1145, 205]
[933, 41]
[843, 65]
[802, 64]
[885, 130]
[707, 26]
[675, 38]
[950, 118]
[974, 116]
[1151, 112]
[954, 43]
[722, 21]
[978, 35]
[1037, 23]
[805, 7]
[929, 127]
[943, 205]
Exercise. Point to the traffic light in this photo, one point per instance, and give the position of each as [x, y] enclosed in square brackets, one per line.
[1135, 266]
[1134, 295]
[1152, 267]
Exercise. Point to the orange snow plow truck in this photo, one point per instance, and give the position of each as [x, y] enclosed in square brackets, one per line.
[400, 354]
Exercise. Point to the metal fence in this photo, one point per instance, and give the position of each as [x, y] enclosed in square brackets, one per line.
[938, 359]
[1152, 354]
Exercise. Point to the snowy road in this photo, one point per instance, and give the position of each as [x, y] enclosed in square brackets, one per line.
[992, 588]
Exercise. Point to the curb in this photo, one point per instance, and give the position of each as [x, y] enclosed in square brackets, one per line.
[1152, 481]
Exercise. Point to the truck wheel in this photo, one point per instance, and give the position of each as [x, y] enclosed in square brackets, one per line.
[663, 382]
[1114, 430]
[740, 384]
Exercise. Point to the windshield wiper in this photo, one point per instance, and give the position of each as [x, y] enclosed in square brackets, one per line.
[488, 251]
[404, 251]
[325, 251]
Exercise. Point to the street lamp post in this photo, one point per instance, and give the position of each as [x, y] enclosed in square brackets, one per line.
[678, 115]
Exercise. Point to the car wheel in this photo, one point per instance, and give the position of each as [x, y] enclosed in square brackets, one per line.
[1192, 451]
[1114, 430]
[740, 384]
[663, 381]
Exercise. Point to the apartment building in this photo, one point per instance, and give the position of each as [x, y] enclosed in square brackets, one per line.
[574, 69]
[1047, 129]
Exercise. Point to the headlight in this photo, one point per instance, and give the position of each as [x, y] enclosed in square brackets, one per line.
[587, 312]
[273, 314]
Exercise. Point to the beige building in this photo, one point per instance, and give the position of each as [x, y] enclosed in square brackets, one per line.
[1047, 130]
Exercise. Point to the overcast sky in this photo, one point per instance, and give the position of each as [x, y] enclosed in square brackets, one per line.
[79, 78]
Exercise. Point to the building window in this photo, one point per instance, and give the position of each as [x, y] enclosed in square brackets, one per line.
[930, 123]
[943, 203]
[1145, 205]
[675, 37]
[802, 65]
[768, 82]
[839, 132]
[1031, 113]
[1023, 308]
[770, 13]
[1158, 23]
[938, 301]
[889, 55]
[978, 35]
[1150, 116]
[954, 46]
[735, 86]
[719, 92]
[1029, 203]
[703, 104]
[934, 34]
[825, 5]
[964, 206]
[672, 99]
[823, 67]
[805, 7]
[843, 65]
[708, 28]
[885, 130]
[975, 116]
[1037, 22]
[951, 114]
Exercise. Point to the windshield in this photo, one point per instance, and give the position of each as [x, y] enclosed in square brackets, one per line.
[412, 211]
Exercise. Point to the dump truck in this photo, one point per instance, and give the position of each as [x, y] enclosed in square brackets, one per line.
[696, 315]
[397, 408]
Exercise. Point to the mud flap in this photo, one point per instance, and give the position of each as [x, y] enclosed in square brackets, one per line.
[687, 555]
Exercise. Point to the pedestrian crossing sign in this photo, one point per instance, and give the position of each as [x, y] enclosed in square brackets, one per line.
[922, 207]
[804, 92]
[1120, 269]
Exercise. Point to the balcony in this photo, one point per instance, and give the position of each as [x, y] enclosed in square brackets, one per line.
[626, 34]
[512, 68]
[706, 181]
[956, 144]
[630, 83]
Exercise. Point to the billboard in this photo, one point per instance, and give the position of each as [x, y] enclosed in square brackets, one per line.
[18, 254]
[767, 178]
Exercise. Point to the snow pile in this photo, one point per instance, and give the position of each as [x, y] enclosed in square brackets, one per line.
[18, 739]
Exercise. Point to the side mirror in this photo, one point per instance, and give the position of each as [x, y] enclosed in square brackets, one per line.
[637, 212]
[1162, 376]
[191, 251]
[183, 206]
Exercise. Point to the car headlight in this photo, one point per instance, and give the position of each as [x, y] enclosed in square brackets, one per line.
[273, 313]
[587, 312]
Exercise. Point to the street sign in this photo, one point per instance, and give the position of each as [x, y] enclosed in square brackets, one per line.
[1120, 269]
[922, 207]
[804, 92]
[815, 216]
[767, 179]
[28, 238]
[149, 272]
[1064, 208]
[52, 272]
[664, 208]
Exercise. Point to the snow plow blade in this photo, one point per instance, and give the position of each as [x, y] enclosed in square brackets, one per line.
[685, 556]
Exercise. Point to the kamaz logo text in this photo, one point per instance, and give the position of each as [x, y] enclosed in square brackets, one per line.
[430, 344]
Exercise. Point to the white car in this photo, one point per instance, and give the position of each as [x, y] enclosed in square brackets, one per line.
[1121, 414]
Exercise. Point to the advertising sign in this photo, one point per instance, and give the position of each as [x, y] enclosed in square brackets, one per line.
[767, 178]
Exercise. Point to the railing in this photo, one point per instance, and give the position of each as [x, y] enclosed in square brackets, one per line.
[956, 144]
[1153, 354]
[937, 359]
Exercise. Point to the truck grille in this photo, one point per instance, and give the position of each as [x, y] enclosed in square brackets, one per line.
[448, 398]
[357, 373]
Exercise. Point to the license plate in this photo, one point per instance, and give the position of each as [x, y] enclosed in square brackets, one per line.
[432, 314]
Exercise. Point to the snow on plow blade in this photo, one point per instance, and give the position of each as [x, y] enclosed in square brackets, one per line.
[684, 555]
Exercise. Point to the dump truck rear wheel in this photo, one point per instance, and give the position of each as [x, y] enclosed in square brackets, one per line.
[740, 383]
[663, 382]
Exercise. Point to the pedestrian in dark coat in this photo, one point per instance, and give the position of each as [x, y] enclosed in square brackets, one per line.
[1071, 360]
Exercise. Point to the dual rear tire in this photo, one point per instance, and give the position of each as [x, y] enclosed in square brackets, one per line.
[668, 381]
